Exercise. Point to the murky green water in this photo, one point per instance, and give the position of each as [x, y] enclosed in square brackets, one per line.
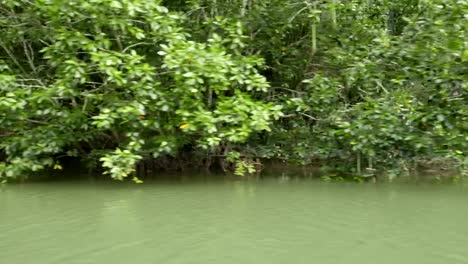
[226, 221]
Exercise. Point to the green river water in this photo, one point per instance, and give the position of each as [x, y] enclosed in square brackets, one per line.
[275, 220]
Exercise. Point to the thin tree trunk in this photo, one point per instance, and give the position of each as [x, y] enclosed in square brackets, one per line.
[314, 38]
[214, 8]
[245, 3]
[333, 13]
[358, 163]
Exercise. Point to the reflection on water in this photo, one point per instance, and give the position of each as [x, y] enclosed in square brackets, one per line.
[233, 221]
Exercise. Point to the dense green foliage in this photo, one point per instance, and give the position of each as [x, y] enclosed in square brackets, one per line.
[375, 84]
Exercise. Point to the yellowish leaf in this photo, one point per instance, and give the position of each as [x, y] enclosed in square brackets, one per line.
[136, 180]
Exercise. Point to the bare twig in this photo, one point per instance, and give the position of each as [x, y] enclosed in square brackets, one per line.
[28, 51]
[135, 45]
[309, 116]
[13, 58]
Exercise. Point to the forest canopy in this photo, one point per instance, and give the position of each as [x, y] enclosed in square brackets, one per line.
[362, 84]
